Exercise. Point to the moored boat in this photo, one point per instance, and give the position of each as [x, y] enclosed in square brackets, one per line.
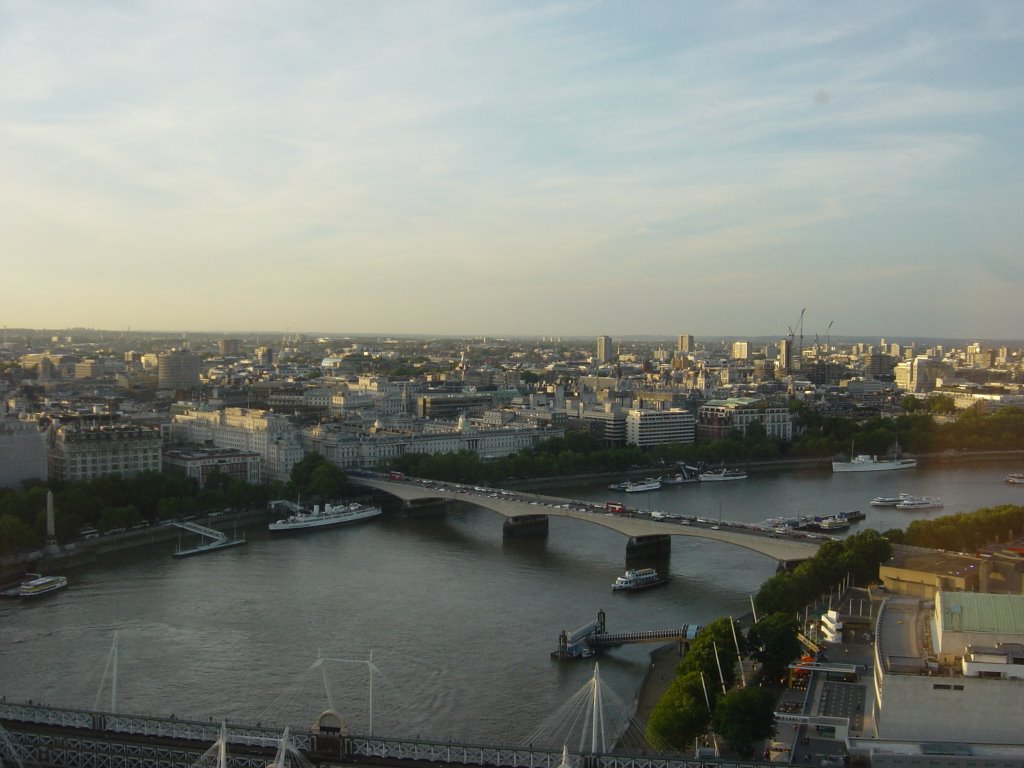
[326, 517]
[37, 585]
[864, 462]
[920, 502]
[887, 501]
[647, 484]
[716, 475]
[639, 578]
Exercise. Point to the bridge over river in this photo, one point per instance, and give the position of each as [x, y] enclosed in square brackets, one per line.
[36, 736]
[639, 526]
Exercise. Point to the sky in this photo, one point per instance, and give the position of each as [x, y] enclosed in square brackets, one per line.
[514, 168]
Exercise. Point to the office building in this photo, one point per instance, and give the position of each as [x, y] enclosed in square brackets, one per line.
[686, 344]
[604, 349]
[177, 369]
[652, 427]
[22, 452]
[87, 452]
[200, 463]
[717, 418]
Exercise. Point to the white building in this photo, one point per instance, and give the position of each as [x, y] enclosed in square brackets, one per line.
[270, 435]
[950, 671]
[358, 449]
[652, 427]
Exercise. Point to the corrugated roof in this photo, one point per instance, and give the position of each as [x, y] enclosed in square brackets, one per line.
[983, 612]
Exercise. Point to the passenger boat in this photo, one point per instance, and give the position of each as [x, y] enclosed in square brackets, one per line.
[648, 484]
[866, 463]
[37, 585]
[327, 517]
[830, 524]
[920, 502]
[640, 578]
[887, 501]
[687, 475]
[715, 475]
[1015, 478]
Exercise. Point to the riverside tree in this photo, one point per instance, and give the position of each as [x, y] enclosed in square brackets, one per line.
[744, 716]
[681, 714]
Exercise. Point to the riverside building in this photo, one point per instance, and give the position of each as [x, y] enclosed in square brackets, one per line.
[652, 427]
[717, 418]
[85, 453]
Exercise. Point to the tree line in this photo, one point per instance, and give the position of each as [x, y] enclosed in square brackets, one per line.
[964, 531]
[111, 502]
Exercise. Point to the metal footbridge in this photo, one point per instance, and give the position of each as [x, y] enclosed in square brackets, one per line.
[593, 636]
[207, 533]
[37, 736]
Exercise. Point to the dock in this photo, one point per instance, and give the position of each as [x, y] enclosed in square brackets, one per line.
[216, 539]
[584, 642]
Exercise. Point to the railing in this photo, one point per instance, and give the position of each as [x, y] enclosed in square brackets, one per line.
[93, 740]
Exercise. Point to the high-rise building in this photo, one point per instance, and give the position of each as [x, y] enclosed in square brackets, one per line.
[785, 352]
[686, 343]
[229, 347]
[177, 369]
[604, 349]
[741, 350]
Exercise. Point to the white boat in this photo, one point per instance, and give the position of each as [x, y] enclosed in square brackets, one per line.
[648, 484]
[640, 578]
[887, 501]
[327, 517]
[37, 586]
[864, 462]
[716, 475]
[681, 478]
[920, 502]
[1015, 478]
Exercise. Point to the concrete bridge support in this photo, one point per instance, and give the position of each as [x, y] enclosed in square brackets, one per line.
[526, 525]
[424, 506]
[648, 546]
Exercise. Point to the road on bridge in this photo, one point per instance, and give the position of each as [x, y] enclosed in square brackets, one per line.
[782, 546]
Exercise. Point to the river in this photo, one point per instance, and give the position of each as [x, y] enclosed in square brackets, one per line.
[460, 622]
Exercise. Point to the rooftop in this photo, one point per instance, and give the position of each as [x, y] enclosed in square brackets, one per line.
[982, 612]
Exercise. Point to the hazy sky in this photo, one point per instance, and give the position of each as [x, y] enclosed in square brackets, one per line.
[514, 168]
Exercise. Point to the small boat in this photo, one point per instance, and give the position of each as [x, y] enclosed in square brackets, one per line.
[716, 475]
[37, 585]
[619, 486]
[920, 502]
[1015, 478]
[648, 484]
[327, 517]
[640, 578]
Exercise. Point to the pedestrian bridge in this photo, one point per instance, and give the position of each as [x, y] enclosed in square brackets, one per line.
[513, 504]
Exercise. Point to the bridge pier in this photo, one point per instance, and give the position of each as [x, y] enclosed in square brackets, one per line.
[648, 545]
[525, 525]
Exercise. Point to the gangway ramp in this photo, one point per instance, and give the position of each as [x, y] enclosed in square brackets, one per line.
[202, 530]
[685, 632]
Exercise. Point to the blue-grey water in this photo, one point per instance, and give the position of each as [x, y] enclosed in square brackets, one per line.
[460, 622]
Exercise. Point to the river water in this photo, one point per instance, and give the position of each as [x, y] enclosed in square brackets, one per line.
[460, 622]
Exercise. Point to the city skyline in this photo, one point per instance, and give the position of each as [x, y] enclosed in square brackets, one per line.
[515, 170]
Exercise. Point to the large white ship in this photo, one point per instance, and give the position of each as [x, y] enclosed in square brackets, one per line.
[327, 517]
[864, 462]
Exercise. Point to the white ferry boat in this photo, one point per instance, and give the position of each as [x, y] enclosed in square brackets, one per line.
[887, 501]
[716, 475]
[920, 502]
[37, 586]
[648, 484]
[327, 517]
[640, 578]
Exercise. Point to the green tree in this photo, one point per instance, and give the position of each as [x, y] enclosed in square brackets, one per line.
[15, 535]
[744, 716]
[715, 639]
[774, 643]
[680, 715]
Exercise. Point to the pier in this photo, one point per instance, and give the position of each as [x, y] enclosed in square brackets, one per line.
[214, 539]
[591, 637]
